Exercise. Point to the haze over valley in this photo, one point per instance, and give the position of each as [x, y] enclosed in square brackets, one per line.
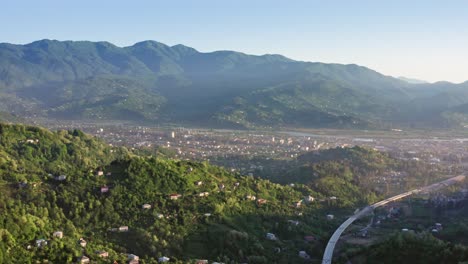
[150, 82]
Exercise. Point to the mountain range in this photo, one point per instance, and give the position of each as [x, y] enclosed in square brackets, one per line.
[156, 83]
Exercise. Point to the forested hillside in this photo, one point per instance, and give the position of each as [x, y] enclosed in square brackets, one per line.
[69, 184]
[153, 82]
[353, 174]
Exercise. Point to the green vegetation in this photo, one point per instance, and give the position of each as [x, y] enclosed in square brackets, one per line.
[223, 225]
[151, 81]
[422, 248]
[353, 175]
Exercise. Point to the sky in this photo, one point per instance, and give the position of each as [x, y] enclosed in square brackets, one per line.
[422, 39]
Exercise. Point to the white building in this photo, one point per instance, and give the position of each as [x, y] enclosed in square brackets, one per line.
[271, 236]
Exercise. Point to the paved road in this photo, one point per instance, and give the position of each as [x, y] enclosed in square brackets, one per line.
[328, 254]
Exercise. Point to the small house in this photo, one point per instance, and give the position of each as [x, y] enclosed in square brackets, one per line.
[330, 217]
[298, 204]
[102, 253]
[83, 259]
[201, 261]
[133, 257]
[146, 206]
[309, 199]
[221, 186]
[163, 259]
[99, 173]
[41, 243]
[104, 189]
[203, 194]
[82, 242]
[123, 229]
[58, 234]
[271, 236]
[261, 201]
[109, 174]
[160, 216]
[198, 183]
[175, 196]
[251, 197]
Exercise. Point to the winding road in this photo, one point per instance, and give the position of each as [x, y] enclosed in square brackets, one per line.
[328, 254]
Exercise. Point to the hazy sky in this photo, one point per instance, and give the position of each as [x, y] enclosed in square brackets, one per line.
[420, 39]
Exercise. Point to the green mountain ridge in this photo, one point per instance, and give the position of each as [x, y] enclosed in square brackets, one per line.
[178, 84]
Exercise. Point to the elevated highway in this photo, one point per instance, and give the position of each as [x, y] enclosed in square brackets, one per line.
[328, 254]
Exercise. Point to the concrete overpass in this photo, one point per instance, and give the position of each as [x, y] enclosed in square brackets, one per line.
[328, 254]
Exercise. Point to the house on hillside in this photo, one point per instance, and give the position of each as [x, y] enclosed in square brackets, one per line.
[251, 197]
[58, 234]
[163, 259]
[261, 201]
[41, 243]
[298, 204]
[82, 242]
[203, 194]
[146, 206]
[123, 229]
[102, 253]
[271, 236]
[309, 199]
[198, 183]
[330, 217]
[83, 259]
[104, 189]
[175, 196]
[99, 173]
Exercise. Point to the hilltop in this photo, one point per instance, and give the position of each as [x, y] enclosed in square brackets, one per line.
[153, 82]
